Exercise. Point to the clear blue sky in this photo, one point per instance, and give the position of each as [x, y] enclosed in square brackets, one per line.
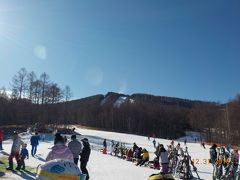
[187, 49]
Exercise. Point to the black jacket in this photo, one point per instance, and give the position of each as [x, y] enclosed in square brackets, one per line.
[85, 152]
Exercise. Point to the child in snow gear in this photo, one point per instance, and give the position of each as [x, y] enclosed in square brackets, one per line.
[75, 147]
[59, 169]
[59, 150]
[85, 156]
[15, 151]
[34, 142]
[24, 155]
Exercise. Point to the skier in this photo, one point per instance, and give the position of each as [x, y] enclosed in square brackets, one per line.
[85, 156]
[59, 150]
[34, 142]
[185, 142]
[15, 150]
[75, 147]
[24, 155]
[1, 139]
[163, 160]
[154, 143]
[213, 159]
[104, 150]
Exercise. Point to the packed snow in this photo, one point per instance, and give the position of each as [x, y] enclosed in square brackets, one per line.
[107, 167]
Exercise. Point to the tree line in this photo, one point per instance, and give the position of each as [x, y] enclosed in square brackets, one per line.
[39, 100]
[26, 85]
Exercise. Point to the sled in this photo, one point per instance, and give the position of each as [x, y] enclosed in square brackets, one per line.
[161, 177]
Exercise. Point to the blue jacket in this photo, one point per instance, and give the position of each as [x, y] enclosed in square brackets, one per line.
[24, 153]
[34, 140]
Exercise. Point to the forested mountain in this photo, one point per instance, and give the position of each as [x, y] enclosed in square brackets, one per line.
[143, 114]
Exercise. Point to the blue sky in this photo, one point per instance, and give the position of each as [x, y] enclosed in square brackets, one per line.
[187, 49]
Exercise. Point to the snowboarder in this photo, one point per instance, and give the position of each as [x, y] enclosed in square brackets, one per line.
[24, 154]
[154, 143]
[34, 142]
[15, 151]
[75, 147]
[59, 150]
[1, 139]
[163, 160]
[85, 156]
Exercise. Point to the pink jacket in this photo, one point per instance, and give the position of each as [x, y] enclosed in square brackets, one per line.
[60, 151]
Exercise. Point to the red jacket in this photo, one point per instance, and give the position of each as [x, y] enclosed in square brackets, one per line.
[1, 135]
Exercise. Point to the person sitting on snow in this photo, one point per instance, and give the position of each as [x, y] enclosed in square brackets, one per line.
[15, 151]
[145, 157]
[129, 155]
[59, 150]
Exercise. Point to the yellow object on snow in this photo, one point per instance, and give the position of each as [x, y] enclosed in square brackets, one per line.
[161, 177]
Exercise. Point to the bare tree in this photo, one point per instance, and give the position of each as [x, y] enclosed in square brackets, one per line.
[67, 93]
[45, 81]
[37, 91]
[53, 93]
[31, 77]
[3, 93]
[19, 83]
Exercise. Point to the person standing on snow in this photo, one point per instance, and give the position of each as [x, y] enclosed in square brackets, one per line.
[34, 142]
[15, 152]
[1, 139]
[154, 143]
[104, 150]
[112, 147]
[59, 150]
[213, 159]
[24, 155]
[85, 157]
[75, 147]
[163, 159]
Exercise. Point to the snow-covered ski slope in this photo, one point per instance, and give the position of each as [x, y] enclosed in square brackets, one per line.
[107, 167]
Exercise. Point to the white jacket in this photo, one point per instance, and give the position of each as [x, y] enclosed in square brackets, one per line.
[16, 146]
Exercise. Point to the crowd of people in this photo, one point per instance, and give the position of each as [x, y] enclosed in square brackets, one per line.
[61, 150]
